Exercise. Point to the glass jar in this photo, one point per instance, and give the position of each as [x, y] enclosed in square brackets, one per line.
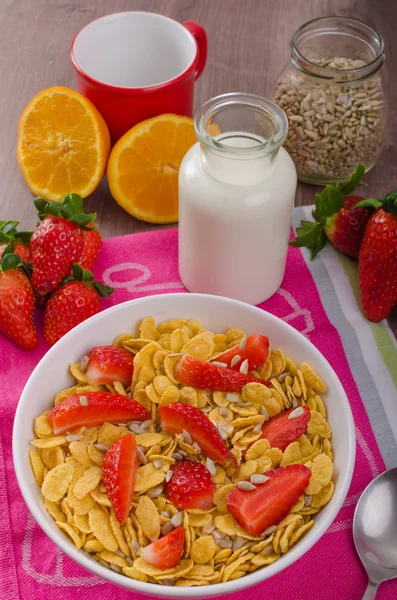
[333, 95]
[236, 194]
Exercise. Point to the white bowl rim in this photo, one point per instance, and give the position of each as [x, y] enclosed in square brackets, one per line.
[299, 550]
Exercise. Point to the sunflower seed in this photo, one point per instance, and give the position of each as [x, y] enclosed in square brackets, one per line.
[155, 491]
[208, 527]
[84, 363]
[177, 519]
[210, 466]
[232, 397]
[168, 476]
[235, 360]
[265, 413]
[146, 424]
[238, 543]
[187, 437]
[101, 447]
[243, 342]
[83, 400]
[115, 568]
[244, 367]
[269, 530]
[224, 543]
[297, 412]
[247, 486]
[166, 528]
[257, 478]
[74, 437]
[141, 455]
[177, 456]
[135, 427]
[219, 364]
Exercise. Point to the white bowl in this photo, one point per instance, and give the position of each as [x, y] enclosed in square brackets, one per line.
[216, 314]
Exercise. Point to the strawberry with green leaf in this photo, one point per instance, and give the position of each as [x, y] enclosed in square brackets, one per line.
[336, 219]
[58, 241]
[13, 241]
[77, 299]
[378, 258]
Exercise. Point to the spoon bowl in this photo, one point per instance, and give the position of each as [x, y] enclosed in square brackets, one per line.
[375, 530]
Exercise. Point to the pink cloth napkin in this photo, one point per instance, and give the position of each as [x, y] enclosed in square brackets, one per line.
[32, 568]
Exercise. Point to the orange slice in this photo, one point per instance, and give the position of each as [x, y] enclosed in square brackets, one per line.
[144, 164]
[63, 144]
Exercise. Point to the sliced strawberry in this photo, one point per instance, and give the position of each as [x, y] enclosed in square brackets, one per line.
[191, 486]
[207, 376]
[281, 430]
[178, 416]
[119, 468]
[92, 409]
[109, 363]
[256, 510]
[254, 349]
[166, 552]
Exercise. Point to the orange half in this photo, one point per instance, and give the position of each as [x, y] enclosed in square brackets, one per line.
[144, 165]
[63, 144]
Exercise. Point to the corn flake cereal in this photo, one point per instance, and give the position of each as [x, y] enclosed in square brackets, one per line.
[68, 468]
[56, 482]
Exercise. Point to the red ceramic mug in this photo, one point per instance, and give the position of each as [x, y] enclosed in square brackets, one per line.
[135, 65]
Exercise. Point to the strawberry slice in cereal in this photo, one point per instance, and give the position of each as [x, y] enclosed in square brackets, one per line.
[179, 418]
[166, 552]
[209, 376]
[92, 409]
[190, 486]
[285, 428]
[106, 364]
[257, 506]
[250, 353]
[119, 468]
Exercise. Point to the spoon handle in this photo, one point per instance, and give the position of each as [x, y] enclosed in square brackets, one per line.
[370, 592]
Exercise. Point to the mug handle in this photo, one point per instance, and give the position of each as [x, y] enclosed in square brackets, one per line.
[200, 36]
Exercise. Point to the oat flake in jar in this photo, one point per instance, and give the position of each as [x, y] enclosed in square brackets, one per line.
[236, 193]
[332, 92]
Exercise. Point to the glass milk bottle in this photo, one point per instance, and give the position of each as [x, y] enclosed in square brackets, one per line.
[236, 193]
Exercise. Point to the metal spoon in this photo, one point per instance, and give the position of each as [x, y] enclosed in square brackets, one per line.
[375, 530]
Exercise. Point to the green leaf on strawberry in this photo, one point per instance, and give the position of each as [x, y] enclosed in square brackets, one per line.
[71, 208]
[10, 261]
[334, 219]
[15, 241]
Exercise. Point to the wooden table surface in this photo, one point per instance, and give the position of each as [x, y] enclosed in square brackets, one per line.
[248, 47]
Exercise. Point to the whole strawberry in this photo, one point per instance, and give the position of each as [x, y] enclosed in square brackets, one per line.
[76, 300]
[336, 219]
[13, 241]
[16, 304]
[346, 228]
[58, 241]
[378, 259]
[92, 247]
